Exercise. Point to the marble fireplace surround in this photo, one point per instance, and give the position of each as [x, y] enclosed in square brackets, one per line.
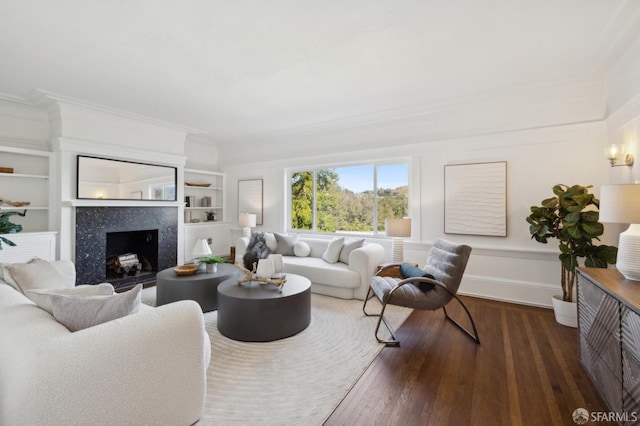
[93, 224]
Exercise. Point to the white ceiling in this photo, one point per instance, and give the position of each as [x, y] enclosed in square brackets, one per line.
[241, 68]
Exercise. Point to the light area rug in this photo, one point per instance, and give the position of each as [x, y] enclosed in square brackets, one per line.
[294, 381]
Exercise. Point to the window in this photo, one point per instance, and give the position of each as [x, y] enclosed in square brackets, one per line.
[352, 199]
[162, 192]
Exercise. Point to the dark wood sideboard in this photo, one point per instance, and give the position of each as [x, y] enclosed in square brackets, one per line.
[609, 336]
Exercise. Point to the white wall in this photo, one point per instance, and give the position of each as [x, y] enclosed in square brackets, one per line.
[512, 268]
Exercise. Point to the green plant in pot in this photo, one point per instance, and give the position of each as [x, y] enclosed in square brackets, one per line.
[571, 217]
[8, 227]
[211, 262]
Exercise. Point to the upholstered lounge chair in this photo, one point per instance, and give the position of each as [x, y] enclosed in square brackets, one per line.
[446, 263]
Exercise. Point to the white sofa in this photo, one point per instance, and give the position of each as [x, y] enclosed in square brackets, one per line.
[147, 368]
[345, 281]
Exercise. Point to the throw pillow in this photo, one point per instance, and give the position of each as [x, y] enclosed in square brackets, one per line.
[348, 248]
[408, 270]
[271, 242]
[332, 252]
[80, 312]
[42, 297]
[35, 274]
[286, 244]
[301, 249]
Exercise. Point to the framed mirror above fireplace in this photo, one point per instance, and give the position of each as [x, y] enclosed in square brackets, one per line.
[111, 179]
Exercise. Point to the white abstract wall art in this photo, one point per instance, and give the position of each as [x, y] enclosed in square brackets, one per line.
[475, 199]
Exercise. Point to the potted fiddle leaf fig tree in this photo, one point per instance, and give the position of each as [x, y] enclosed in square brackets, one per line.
[571, 217]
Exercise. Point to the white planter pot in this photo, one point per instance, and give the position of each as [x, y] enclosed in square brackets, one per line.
[566, 312]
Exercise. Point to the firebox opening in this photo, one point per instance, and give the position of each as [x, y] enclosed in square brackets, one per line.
[131, 257]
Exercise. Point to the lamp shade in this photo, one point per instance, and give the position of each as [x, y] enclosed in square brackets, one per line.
[620, 203]
[201, 249]
[247, 220]
[397, 227]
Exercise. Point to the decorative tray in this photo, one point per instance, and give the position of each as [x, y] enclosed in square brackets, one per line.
[203, 185]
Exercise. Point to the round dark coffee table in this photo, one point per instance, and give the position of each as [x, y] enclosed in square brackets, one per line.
[201, 287]
[254, 312]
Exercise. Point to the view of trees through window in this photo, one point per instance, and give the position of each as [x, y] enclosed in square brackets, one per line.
[349, 199]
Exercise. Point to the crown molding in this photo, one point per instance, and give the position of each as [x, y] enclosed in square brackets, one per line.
[553, 93]
[46, 98]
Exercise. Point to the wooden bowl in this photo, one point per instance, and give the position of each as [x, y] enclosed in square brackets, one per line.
[184, 270]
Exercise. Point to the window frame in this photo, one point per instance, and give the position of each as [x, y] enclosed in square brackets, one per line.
[375, 232]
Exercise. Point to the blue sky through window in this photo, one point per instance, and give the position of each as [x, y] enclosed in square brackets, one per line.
[360, 178]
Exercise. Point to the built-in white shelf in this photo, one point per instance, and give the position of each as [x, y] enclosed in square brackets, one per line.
[17, 209]
[20, 175]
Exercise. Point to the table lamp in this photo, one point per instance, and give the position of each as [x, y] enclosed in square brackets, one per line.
[200, 249]
[621, 204]
[397, 229]
[247, 221]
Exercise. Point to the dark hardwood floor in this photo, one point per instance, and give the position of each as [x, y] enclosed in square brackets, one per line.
[526, 371]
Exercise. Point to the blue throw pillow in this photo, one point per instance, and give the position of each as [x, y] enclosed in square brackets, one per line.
[408, 270]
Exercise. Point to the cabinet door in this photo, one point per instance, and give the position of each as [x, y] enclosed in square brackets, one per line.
[599, 323]
[631, 359]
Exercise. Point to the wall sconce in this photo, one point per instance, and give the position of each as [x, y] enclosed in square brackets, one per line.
[397, 229]
[615, 151]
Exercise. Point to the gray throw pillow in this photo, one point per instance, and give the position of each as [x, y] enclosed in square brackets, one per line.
[332, 252]
[348, 248]
[286, 243]
[42, 297]
[79, 312]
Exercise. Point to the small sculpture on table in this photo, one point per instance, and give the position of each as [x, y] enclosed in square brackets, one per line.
[250, 275]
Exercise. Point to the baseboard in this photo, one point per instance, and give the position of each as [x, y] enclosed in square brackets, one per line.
[512, 291]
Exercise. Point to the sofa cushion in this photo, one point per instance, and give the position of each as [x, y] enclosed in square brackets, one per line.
[320, 272]
[35, 274]
[348, 247]
[332, 253]
[79, 312]
[42, 297]
[301, 249]
[285, 244]
[270, 240]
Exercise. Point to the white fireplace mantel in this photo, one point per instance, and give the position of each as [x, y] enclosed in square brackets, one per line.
[121, 203]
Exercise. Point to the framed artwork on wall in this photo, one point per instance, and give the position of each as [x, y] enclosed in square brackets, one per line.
[475, 199]
[250, 198]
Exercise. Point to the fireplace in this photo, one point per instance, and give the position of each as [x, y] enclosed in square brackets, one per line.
[102, 233]
[131, 256]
